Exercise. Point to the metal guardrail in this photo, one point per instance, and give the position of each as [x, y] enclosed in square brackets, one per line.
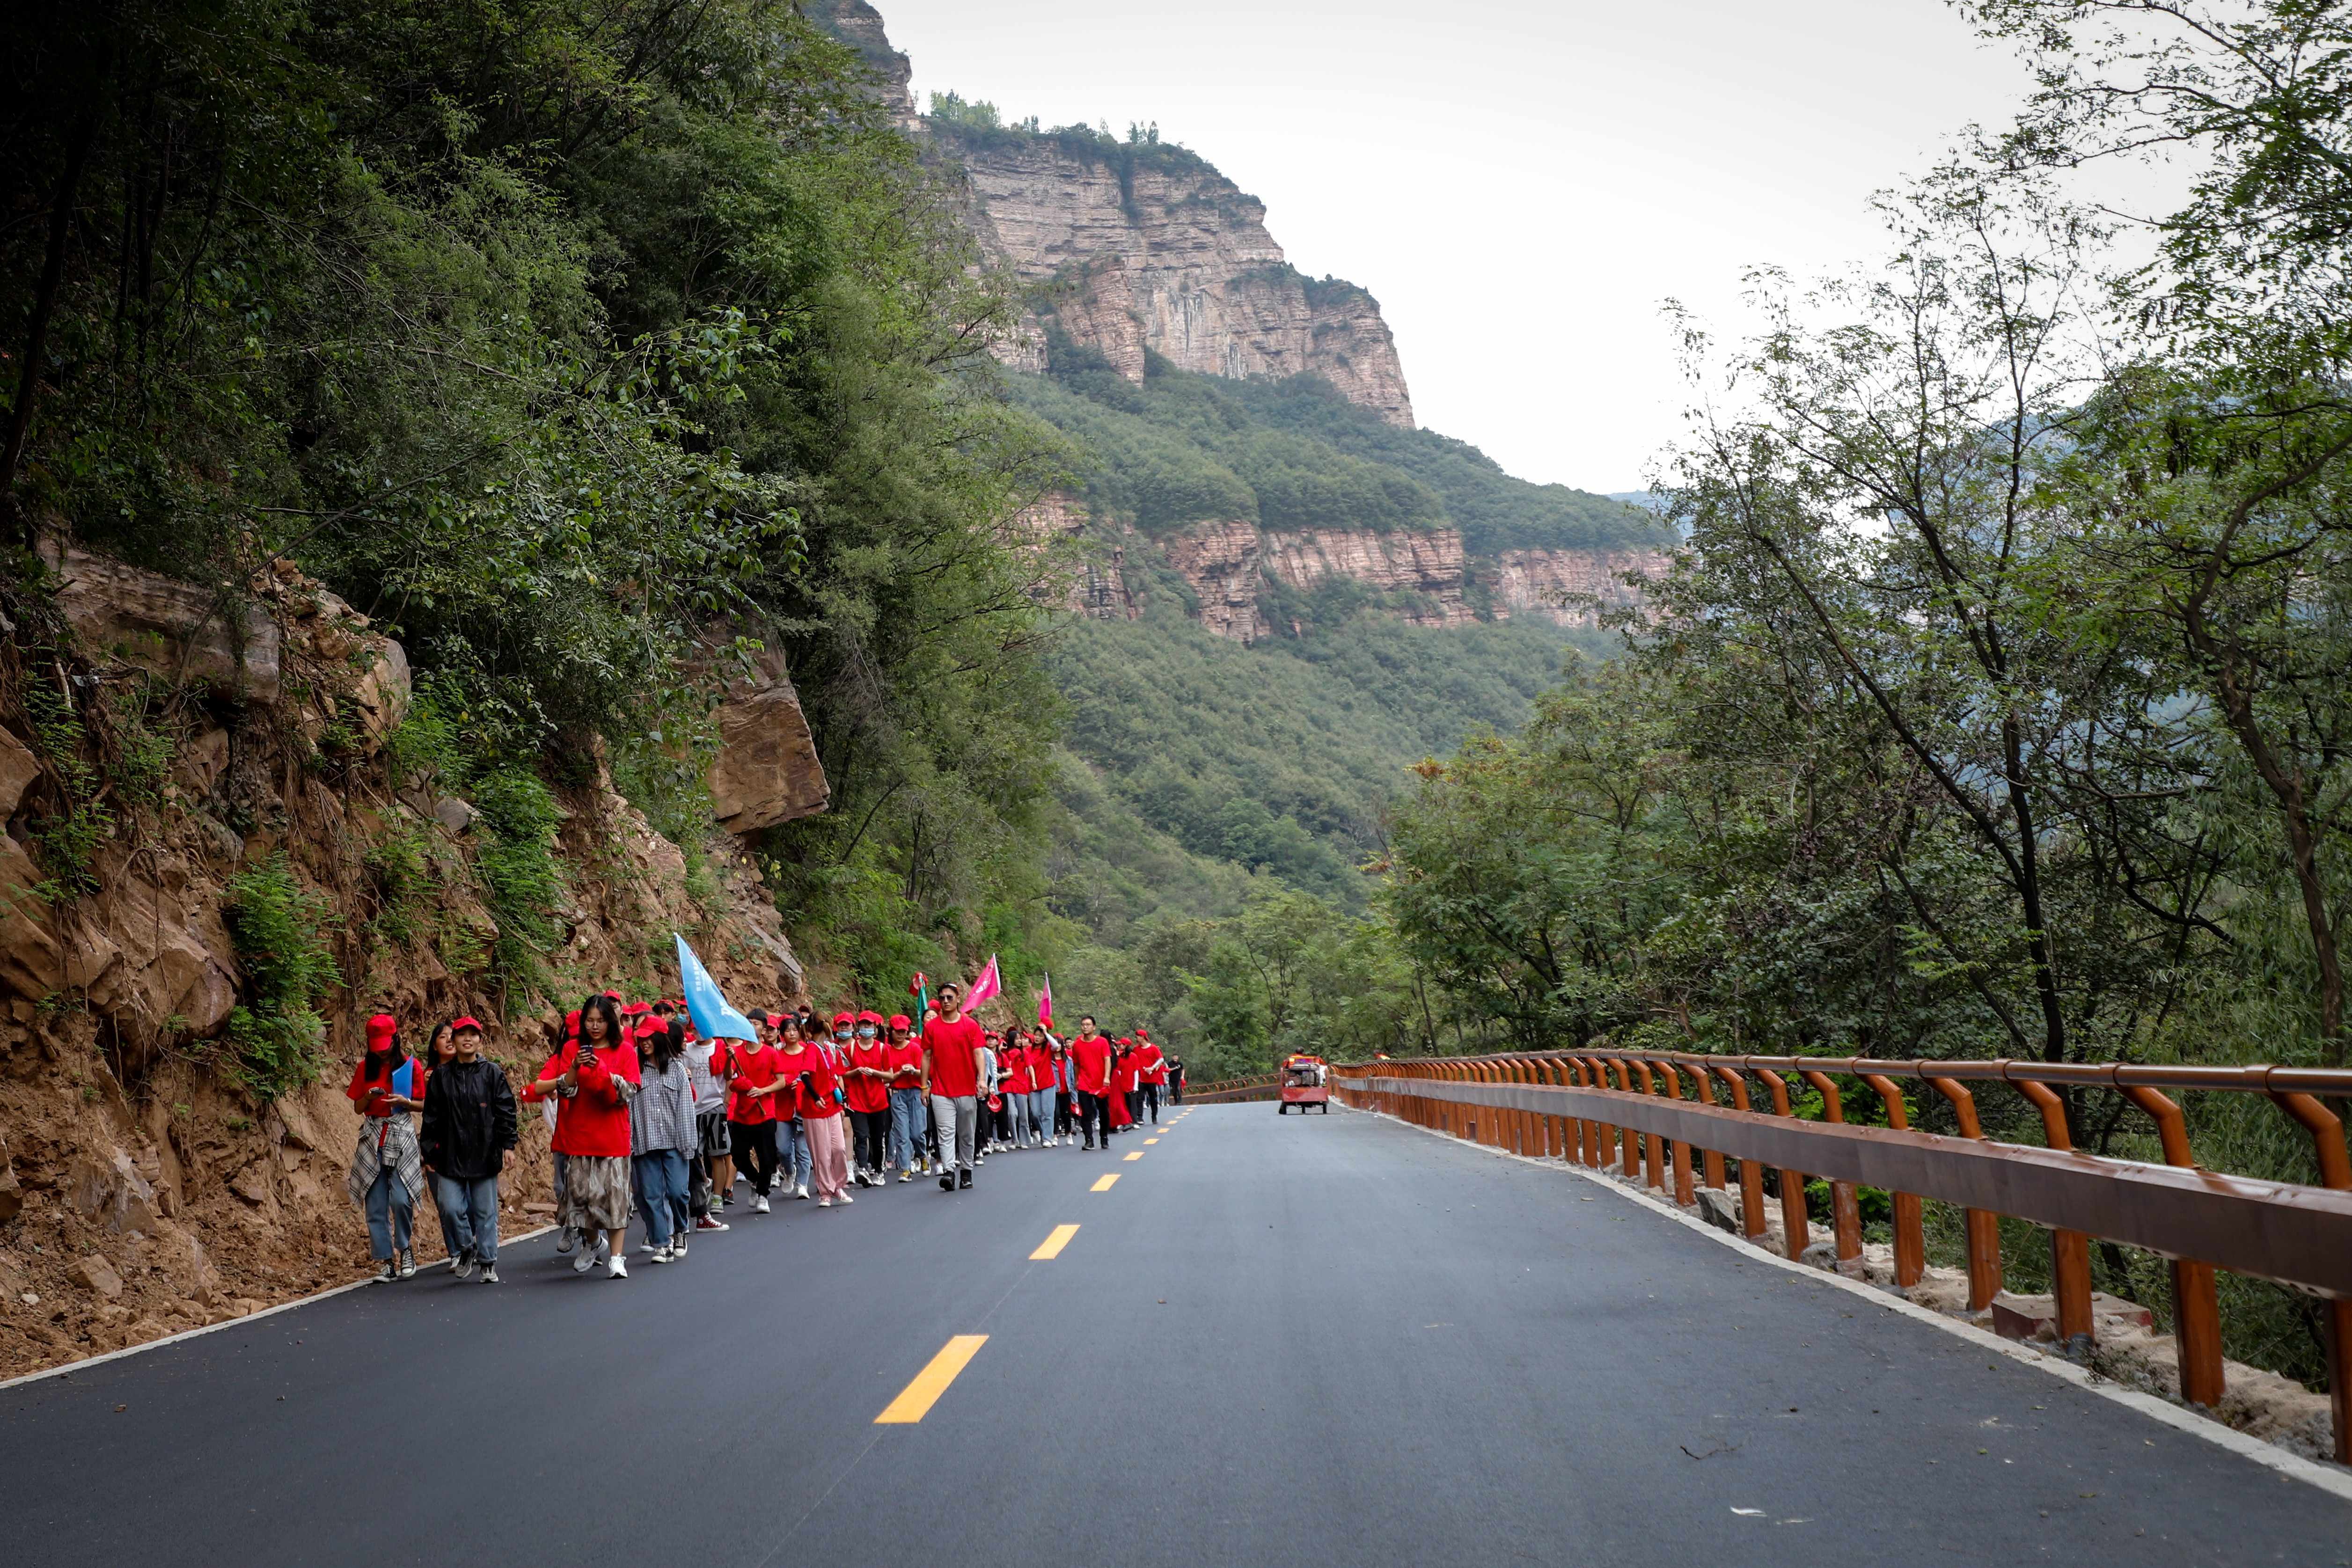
[1225, 1091]
[1600, 1106]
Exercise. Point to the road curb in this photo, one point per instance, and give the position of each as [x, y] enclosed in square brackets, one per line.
[62, 1368]
[2328, 1478]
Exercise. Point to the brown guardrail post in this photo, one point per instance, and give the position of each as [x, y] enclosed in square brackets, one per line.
[1603, 1151]
[1588, 1128]
[1557, 1073]
[1653, 1162]
[2334, 1171]
[2196, 1304]
[1910, 1238]
[1679, 1150]
[1629, 1143]
[1710, 1159]
[1751, 1179]
[1523, 1122]
[1845, 1209]
[1983, 1226]
[2069, 1250]
[1796, 1234]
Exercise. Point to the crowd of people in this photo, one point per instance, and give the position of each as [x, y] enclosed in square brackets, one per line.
[651, 1124]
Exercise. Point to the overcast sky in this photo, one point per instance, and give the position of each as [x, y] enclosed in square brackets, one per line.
[1520, 184]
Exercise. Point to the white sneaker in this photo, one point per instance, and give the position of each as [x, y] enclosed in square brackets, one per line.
[619, 1270]
[801, 1191]
[847, 1199]
[567, 1238]
[490, 1275]
[464, 1268]
[759, 1205]
[827, 1202]
[585, 1261]
[660, 1255]
[646, 1246]
[676, 1248]
[858, 1175]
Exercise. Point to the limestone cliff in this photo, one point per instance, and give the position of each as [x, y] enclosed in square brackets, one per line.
[859, 26]
[1136, 245]
[1230, 565]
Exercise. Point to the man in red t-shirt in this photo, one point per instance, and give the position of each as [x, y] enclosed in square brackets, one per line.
[1152, 1069]
[1092, 1059]
[952, 1045]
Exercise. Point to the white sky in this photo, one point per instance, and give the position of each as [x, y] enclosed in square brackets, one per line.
[1520, 184]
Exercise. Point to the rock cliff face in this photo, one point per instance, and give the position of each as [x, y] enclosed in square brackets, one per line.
[1229, 564]
[140, 1190]
[859, 26]
[1137, 245]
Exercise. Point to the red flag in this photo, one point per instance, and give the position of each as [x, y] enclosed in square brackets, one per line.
[989, 984]
[1046, 1005]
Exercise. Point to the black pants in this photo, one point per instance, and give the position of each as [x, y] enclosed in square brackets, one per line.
[871, 1132]
[1151, 1100]
[1063, 1118]
[1093, 1109]
[1176, 1091]
[755, 1152]
[1134, 1105]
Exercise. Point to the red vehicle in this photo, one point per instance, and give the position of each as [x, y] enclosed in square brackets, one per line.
[1305, 1082]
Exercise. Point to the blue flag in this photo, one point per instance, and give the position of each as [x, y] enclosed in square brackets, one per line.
[713, 1018]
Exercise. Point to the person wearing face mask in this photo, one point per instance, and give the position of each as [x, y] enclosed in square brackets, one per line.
[808, 1079]
[866, 1086]
[904, 1057]
[469, 1127]
[387, 1170]
[662, 1134]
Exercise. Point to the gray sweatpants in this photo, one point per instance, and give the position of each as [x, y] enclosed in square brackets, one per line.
[957, 1118]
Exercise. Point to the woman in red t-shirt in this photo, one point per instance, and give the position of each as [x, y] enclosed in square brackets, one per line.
[867, 1086]
[387, 1168]
[593, 1081]
[750, 1069]
[806, 1089]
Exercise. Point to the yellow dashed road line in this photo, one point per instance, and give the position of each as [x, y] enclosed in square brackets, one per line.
[1051, 1247]
[915, 1401]
[1103, 1183]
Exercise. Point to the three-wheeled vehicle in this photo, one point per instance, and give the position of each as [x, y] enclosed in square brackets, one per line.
[1305, 1082]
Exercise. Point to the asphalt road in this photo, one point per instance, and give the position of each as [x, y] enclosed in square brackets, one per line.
[1330, 1338]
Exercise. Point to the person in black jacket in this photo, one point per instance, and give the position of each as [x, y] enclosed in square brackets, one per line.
[470, 1126]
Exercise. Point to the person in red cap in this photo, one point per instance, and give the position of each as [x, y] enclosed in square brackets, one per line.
[867, 1086]
[595, 1077]
[1123, 1094]
[1092, 1058]
[749, 1068]
[903, 1058]
[387, 1170]
[814, 1087]
[469, 1127]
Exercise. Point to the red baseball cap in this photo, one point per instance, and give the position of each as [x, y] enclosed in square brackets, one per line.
[900, 1021]
[381, 1029]
[842, 1017]
[458, 1025]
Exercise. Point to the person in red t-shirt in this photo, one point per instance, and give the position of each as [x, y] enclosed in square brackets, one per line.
[387, 1168]
[1152, 1069]
[867, 1086]
[952, 1046]
[1092, 1059]
[595, 1077]
[1122, 1086]
[904, 1058]
[817, 1101]
[1012, 1062]
[750, 1069]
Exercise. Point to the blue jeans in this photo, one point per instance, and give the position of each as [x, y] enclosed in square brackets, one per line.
[793, 1152]
[389, 1210]
[469, 1214]
[662, 1182]
[1041, 1113]
[905, 1127]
